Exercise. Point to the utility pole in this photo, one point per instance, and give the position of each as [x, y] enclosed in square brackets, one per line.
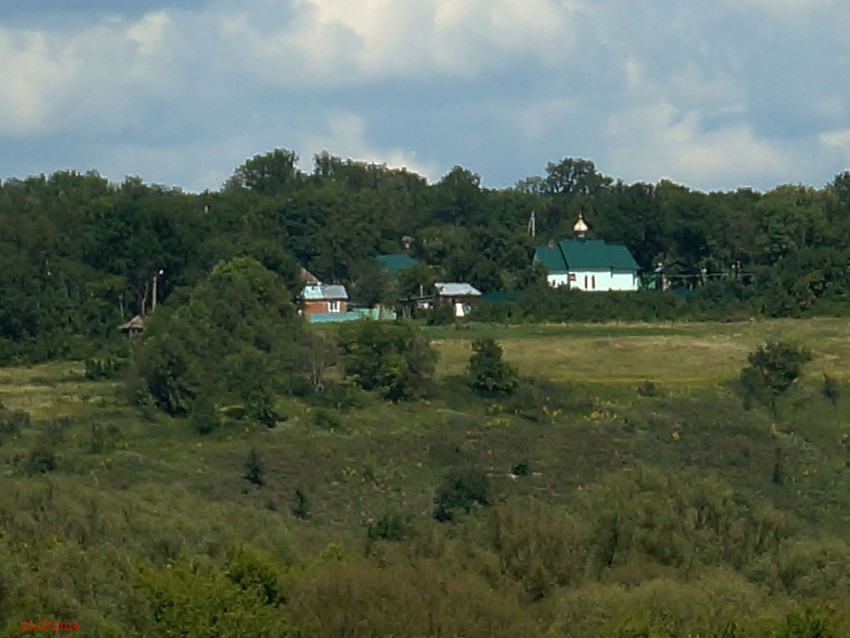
[158, 274]
[532, 224]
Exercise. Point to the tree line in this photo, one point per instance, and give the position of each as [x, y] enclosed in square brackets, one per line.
[80, 254]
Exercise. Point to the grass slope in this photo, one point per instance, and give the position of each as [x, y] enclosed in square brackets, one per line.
[354, 465]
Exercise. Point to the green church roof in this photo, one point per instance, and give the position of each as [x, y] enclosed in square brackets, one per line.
[585, 254]
[394, 264]
[551, 257]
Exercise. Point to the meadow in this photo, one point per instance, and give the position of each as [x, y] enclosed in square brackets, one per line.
[597, 399]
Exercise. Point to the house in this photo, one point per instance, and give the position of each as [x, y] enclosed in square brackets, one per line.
[588, 264]
[395, 264]
[134, 327]
[461, 296]
[322, 298]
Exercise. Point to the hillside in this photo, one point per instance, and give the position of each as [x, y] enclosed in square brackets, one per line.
[623, 474]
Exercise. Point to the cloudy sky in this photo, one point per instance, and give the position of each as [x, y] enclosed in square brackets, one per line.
[713, 95]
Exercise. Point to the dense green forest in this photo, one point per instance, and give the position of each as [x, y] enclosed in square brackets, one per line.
[562, 464]
[80, 254]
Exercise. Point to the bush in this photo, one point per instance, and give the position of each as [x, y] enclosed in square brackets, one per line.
[771, 370]
[394, 359]
[489, 376]
[204, 418]
[388, 527]
[648, 389]
[301, 507]
[12, 422]
[41, 460]
[439, 315]
[55, 430]
[523, 468]
[254, 468]
[107, 368]
[98, 441]
[326, 419]
[831, 389]
[459, 492]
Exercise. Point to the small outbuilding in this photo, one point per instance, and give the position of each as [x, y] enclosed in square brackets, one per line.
[133, 328]
[461, 296]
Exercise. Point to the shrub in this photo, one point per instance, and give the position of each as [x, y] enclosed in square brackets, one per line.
[254, 468]
[107, 368]
[831, 389]
[439, 315]
[252, 571]
[41, 460]
[648, 389]
[394, 359]
[489, 376]
[771, 370]
[388, 527]
[326, 419]
[97, 444]
[55, 429]
[523, 468]
[459, 491]
[12, 422]
[301, 507]
[204, 418]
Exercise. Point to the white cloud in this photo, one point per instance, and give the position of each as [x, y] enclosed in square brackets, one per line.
[838, 138]
[52, 81]
[148, 33]
[656, 141]
[333, 41]
[785, 9]
[346, 137]
[835, 145]
[30, 77]
[697, 92]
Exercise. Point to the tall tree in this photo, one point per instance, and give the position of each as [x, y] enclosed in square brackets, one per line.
[269, 174]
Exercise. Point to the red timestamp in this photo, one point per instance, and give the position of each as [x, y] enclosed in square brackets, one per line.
[49, 625]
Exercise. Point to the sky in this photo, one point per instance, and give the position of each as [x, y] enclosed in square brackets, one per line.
[711, 95]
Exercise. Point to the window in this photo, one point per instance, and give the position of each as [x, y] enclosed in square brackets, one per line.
[593, 281]
[333, 306]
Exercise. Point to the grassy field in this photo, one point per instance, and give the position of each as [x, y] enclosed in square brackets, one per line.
[356, 464]
[688, 355]
[94, 486]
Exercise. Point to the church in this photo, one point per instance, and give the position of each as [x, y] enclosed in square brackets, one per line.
[588, 264]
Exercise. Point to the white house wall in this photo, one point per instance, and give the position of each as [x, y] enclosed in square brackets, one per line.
[558, 279]
[595, 280]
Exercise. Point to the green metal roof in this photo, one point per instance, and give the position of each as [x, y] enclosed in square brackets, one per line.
[585, 254]
[551, 257]
[394, 264]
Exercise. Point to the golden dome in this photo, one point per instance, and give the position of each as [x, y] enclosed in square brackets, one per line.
[580, 227]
